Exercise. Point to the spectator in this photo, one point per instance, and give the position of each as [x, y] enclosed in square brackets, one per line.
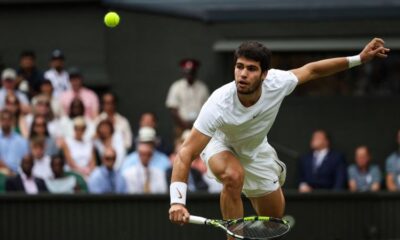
[120, 123]
[157, 159]
[39, 129]
[76, 109]
[46, 89]
[362, 175]
[87, 96]
[57, 75]
[79, 152]
[41, 165]
[25, 181]
[105, 179]
[64, 182]
[322, 168]
[195, 180]
[29, 77]
[13, 147]
[19, 125]
[142, 177]
[42, 107]
[393, 168]
[9, 78]
[107, 137]
[149, 119]
[186, 96]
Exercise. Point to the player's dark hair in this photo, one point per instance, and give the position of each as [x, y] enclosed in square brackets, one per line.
[254, 51]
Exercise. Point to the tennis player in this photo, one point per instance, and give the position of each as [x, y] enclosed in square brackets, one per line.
[230, 133]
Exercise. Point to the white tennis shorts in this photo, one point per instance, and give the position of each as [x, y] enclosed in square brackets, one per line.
[263, 174]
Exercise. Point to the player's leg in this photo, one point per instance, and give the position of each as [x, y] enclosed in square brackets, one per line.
[272, 204]
[228, 169]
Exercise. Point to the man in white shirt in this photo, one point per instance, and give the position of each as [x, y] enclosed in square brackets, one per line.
[231, 131]
[57, 75]
[186, 96]
[42, 162]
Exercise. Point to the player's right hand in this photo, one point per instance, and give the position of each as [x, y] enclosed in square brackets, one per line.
[178, 214]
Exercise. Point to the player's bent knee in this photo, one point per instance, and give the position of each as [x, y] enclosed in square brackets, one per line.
[233, 179]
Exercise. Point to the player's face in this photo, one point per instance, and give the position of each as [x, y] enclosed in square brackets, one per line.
[248, 75]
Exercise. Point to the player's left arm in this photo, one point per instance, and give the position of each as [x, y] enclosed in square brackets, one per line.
[327, 67]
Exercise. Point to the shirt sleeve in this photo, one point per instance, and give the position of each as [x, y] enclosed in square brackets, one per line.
[284, 80]
[351, 171]
[172, 97]
[376, 174]
[209, 118]
[390, 165]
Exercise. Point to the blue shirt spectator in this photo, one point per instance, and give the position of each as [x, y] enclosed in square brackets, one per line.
[393, 168]
[13, 147]
[105, 179]
[362, 175]
[158, 159]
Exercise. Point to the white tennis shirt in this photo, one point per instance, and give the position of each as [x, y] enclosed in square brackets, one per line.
[244, 129]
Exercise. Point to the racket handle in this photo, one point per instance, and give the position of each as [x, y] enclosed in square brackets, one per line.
[197, 220]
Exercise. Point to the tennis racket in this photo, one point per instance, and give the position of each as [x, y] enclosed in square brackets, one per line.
[254, 227]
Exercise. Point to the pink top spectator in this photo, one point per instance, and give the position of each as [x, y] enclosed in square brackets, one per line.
[87, 96]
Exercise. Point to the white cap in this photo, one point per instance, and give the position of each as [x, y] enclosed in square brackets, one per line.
[79, 122]
[9, 73]
[147, 134]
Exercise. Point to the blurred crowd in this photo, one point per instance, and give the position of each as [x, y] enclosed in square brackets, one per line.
[58, 136]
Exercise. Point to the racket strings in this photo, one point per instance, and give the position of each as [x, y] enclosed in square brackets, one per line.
[258, 229]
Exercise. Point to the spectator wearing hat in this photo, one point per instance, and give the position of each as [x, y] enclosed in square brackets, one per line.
[29, 77]
[8, 79]
[78, 151]
[120, 123]
[13, 147]
[105, 179]
[149, 119]
[158, 160]
[143, 177]
[25, 181]
[186, 96]
[87, 96]
[57, 74]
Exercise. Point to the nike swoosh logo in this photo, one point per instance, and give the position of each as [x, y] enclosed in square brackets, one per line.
[275, 181]
[180, 194]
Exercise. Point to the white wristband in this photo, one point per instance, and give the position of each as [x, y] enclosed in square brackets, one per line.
[354, 61]
[177, 191]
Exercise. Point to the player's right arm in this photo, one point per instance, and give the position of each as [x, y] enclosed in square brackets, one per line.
[190, 149]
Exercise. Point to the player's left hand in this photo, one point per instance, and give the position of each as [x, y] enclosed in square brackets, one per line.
[375, 48]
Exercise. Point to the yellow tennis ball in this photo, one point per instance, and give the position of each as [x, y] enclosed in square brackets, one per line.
[111, 19]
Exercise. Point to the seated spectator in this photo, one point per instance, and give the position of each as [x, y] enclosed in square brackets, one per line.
[29, 77]
[195, 180]
[58, 77]
[66, 122]
[46, 89]
[106, 137]
[362, 175]
[120, 123]
[41, 165]
[89, 98]
[157, 159]
[39, 129]
[42, 107]
[322, 168]
[25, 181]
[393, 168]
[13, 147]
[64, 182]
[9, 78]
[149, 119]
[79, 152]
[19, 126]
[142, 177]
[104, 179]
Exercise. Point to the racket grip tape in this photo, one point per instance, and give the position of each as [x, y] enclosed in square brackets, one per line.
[197, 220]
